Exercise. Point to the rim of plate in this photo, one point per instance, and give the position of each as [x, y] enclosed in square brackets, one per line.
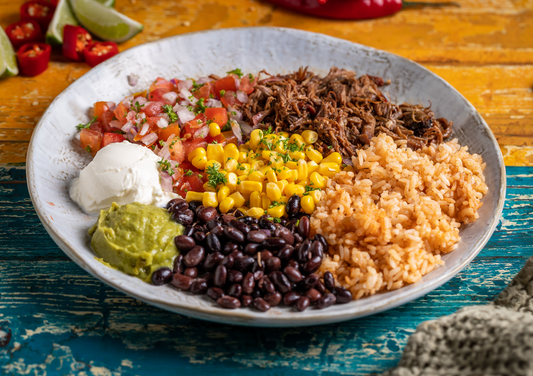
[245, 316]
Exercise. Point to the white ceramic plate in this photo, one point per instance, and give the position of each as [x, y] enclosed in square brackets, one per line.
[55, 157]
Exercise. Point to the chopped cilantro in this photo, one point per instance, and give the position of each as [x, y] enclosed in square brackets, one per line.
[200, 176]
[200, 107]
[236, 71]
[310, 189]
[188, 173]
[137, 107]
[277, 220]
[286, 158]
[227, 127]
[161, 143]
[170, 112]
[88, 148]
[251, 77]
[214, 176]
[214, 142]
[195, 86]
[85, 126]
[277, 203]
[166, 166]
[330, 147]
[222, 92]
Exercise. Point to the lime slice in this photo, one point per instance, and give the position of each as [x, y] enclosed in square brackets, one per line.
[106, 23]
[8, 60]
[63, 16]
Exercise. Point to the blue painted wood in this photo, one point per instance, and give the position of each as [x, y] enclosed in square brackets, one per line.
[63, 321]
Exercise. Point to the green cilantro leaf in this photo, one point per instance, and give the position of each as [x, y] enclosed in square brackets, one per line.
[236, 71]
[214, 176]
[85, 126]
[170, 112]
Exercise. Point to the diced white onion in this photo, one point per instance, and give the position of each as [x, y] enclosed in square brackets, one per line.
[162, 123]
[111, 106]
[126, 126]
[203, 80]
[347, 161]
[184, 114]
[170, 97]
[149, 138]
[213, 103]
[246, 128]
[144, 129]
[236, 128]
[242, 96]
[133, 79]
[202, 132]
[116, 124]
[164, 153]
[187, 84]
[237, 82]
[234, 114]
[141, 100]
[166, 181]
[127, 101]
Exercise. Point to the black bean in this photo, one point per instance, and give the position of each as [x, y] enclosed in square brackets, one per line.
[228, 302]
[256, 294]
[294, 264]
[237, 254]
[285, 253]
[218, 231]
[178, 267]
[199, 236]
[191, 272]
[241, 226]
[226, 218]
[283, 221]
[256, 267]
[175, 201]
[266, 224]
[246, 300]
[291, 225]
[207, 214]
[234, 276]
[235, 290]
[320, 287]
[309, 282]
[312, 265]
[247, 220]
[258, 274]
[182, 282]
[343, 296]
[273, 264]
[212, 260]
[302, 303]
[162, 276]
[293, 274]
[280, 281]
[228, 261]
[212, 244]
[251, 249]
[290, 298]
[234, 235]
[243, 264]
[317, 249]
[265, 256]
[199, 286]
[248, 284]
[327, 300]
[297, 239]
[273, 299]
[229, 248]
[184, 218]
[274, 243]
[256, 237]
[189, 230]
[322, 240]
[215, 293]
[284, 233]
[193, 205]
[313, 295]
[304, 227]
[194, 257]
[293, 205]
[260, 304]
[221, 273]
[254, 227]
[237, 213]
[302, 252]
[198, 209]
[329, 281]
[212, 224]
[267, 285]
[209, 278]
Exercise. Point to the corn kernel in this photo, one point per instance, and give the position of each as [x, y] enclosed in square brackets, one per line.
[348, 168]
[308, 204]
[256, 176]
[222, 193]
[294, 176]
[273, 191]
[294, 189]
[196, 152]
[297, 155]
[297, 139]
[285, 173]
[214, 129]
[271, 176]
[317, 195]
[243, 157]
[208, 188]
[329, 169]
[276, 211]
[269, 154]
[314, 155]
[317, 180]
[226, 205]
[303, 183]
[255, 200]
[210, 199]
[265, 169]
[282, 184]
[283, 134]
[255, 138]
[232, 181]
[238, 198]
[211, 162]
[265, 201]
[302, 169]
[280, 147]
[199, 162]
[256, 165]
[230, 165]
[215, 152]
[284, 199]
[244, 148]
[194, 196]
[333, 158]
[293, 165]
[255, 212]
[311, 167]
[248, 186]
[243, 169]
[310, 137]
[231, 151]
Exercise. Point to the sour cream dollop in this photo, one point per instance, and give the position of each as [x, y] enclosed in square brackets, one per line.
[121, 173]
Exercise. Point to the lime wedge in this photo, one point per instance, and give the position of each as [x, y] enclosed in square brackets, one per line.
[106, 23]
[8, 60]
[63, 16]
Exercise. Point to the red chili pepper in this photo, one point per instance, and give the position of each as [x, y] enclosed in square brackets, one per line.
[96, 52]
[38, 10]
[75, 40]
[23, 32]
[343, 9]
[33, 58]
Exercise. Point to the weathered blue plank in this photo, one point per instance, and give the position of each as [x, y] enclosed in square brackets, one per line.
[64, 321]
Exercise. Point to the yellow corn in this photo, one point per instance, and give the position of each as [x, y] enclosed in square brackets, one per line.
[297, 139]
[273, 192]
[243, 169]
[294, 189]
[283, 134]
[284, 199]
[210, 199]
[282, 184]
[294, 176]
[199, 161]
[280, 147]
[256, 176]
[211, 162]
[317, 180]
[310, 137]
[243, 157]
[271, 176]
[194, 196]
[285, 173]
[222, 193]
[302, 169]
[269, 154]
[238, 198]
[316, 195]
[265, 201]
[255, 212]
[314, 155]
[230, 165]
[215, 152]
[265, 169]
[208, 188]
[196, 152]
[214, 129]
[231, 151]
[333, 158]
[244, 148]
[348, 168]
[257, 164]
[248, 186]
[255, 200]
[303, 183]
[276, 211]
[292, 165]
[308, 204]
[297, 155]
[255, 138]
[312, 166]
[232, 181]
[328, 169]
[226, 205]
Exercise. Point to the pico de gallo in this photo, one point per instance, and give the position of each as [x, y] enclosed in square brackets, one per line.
[173, 118]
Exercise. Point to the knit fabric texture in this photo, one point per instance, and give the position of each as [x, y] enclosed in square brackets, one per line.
[494, 339]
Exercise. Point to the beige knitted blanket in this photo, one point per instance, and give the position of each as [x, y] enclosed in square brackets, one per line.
[494, 339]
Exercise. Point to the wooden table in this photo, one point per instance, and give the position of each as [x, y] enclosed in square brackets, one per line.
[60, 320]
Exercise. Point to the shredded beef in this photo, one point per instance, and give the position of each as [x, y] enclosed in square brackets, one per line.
[345, 111]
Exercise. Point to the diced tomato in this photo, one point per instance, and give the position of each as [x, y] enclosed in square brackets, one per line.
[198, 122]
[157, 95]
[161, 83]
[90, 140]
[106, 119]
[227, 84]
[247, 85]
[189, 183]
[110, 138]
[218, 115]
[220, 139]
[153, 108]
[165, 133]
[99, 109]
[190, 144]
[97, 126]
[177, 151]
[229, 98]
[204, 91]
[121, 112]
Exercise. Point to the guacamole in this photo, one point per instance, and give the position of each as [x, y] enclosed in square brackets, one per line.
[136, 239]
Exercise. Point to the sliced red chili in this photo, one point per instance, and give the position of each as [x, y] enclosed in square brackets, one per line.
[75, 40]
[33, 58]
[96, 52]
[23, 32]
[37, 10]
